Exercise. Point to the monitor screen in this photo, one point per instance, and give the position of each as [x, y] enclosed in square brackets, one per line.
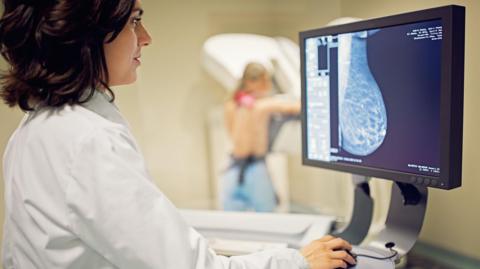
[373, 98]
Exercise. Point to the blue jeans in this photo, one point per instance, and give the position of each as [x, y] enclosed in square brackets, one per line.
[248, 186]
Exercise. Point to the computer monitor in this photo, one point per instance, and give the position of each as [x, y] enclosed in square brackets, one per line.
[384, 97]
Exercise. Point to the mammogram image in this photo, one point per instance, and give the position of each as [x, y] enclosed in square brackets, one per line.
[362, 113]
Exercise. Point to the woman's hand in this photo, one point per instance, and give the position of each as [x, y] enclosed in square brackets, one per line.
[328, 252]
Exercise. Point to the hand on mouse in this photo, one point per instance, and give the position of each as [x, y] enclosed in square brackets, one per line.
[328, 252]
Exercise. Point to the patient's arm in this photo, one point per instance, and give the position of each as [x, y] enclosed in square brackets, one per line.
[272, 105]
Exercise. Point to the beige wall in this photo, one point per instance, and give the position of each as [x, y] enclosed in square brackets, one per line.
[452, 219]
[167, 106]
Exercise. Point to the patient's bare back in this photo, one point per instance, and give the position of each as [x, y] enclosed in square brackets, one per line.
[248, 125]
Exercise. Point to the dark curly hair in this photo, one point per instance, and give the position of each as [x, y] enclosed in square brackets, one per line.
[55, 49]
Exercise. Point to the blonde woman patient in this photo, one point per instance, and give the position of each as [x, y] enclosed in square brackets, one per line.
[78, 194]
[247, 184]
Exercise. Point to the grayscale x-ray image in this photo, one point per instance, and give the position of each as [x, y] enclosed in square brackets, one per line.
[372, 93]
[362, 113]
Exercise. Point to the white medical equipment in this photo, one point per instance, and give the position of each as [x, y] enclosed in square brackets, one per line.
[224, 58]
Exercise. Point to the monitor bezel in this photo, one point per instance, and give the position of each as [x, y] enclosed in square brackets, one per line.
[451, 96]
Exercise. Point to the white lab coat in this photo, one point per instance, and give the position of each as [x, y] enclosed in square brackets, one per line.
[78, 195]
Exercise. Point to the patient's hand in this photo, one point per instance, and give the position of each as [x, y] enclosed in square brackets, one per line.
[328, 252]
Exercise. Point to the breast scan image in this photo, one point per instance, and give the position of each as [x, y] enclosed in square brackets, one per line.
[362, 113]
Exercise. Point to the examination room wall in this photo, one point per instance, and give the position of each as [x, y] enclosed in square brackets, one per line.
[452, 219]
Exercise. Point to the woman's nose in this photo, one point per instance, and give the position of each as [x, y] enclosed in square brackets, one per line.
[144, 39]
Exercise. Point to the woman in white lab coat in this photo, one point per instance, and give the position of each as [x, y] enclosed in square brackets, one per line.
[77, 191]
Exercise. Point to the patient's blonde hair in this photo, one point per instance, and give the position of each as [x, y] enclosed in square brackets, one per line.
[253, 71]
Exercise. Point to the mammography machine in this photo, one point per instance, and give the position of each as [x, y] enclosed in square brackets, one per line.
[224, 58]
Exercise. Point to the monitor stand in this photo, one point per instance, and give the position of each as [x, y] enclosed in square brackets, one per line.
[402, 226]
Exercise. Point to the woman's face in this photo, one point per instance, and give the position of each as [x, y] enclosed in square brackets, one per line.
[123, 53]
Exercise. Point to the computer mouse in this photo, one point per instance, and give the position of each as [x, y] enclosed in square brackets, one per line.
[354, 256]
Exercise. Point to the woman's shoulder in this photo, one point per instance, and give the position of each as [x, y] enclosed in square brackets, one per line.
[70, 123]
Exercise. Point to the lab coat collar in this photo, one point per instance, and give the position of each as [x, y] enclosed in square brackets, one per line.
[101, 104]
